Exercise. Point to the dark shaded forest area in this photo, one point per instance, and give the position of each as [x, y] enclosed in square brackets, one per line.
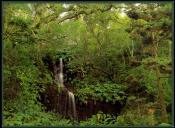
[82, 64]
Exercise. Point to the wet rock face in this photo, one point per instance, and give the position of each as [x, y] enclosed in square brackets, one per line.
[59, 104]
[92, 107]
[62, 100]
[49, 98]
[54, 101]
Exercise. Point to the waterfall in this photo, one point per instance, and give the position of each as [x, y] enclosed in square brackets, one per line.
[58, 74]
[72, 107]
[70, 110]
[61, 73]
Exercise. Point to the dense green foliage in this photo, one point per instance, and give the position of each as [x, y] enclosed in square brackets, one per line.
[102, 92]
[108, 53]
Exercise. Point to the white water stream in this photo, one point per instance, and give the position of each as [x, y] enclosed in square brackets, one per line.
[59, 79]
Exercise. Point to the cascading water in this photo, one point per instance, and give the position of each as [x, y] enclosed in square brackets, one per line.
[72, 107]
[61, 73]
[58, 74]
[65, 107]
[62, 101]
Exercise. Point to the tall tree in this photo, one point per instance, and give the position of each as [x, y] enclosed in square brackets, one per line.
[158, 28]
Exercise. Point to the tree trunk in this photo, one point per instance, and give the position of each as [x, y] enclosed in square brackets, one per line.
[164, 116]
[132, 50]
[170, 43]
[85, 46]
[123, 57]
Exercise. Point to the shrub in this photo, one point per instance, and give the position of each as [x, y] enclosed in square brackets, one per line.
[108, 92]
[100, 119]
[130, 118]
